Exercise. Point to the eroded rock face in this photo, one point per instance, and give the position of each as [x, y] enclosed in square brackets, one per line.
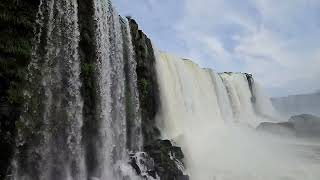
[144, 165]
[162, 160]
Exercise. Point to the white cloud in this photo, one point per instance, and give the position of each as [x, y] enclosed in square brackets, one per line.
[277, 41]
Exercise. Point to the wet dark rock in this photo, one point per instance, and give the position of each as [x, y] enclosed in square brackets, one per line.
[251, 82]
[161, 159]
[167, 159]
[147, 81]
[166, 156]
[143, 164]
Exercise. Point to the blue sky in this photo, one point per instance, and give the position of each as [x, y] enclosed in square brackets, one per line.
[278, 41]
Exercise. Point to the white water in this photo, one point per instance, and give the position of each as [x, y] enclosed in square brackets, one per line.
[111, 39]
[240, 96]
[136, 140]
[111, 90]
[51, 128]
[212, 117]
[52, 116]
[224, 101]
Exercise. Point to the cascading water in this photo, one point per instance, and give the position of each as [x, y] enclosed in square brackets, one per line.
[213, 116]
[52, 138]
[134, 133]
[49, 132]
[223, 98]
[201, 92]
[115, 70]
[242, 98]
[111, 89]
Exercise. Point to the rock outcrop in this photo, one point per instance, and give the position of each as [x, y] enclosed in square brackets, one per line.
[164, 161]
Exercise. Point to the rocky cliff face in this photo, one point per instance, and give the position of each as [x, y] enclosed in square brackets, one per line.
[165, 158]
[147, 81]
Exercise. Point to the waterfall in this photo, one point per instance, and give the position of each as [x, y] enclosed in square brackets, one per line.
[135, 139]
[115, 70]
[186, 91]
[49, 132]
[111, 89]
[241, 98]
[223, 98]
[213, 118]
[203, 94]
[53, 140]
